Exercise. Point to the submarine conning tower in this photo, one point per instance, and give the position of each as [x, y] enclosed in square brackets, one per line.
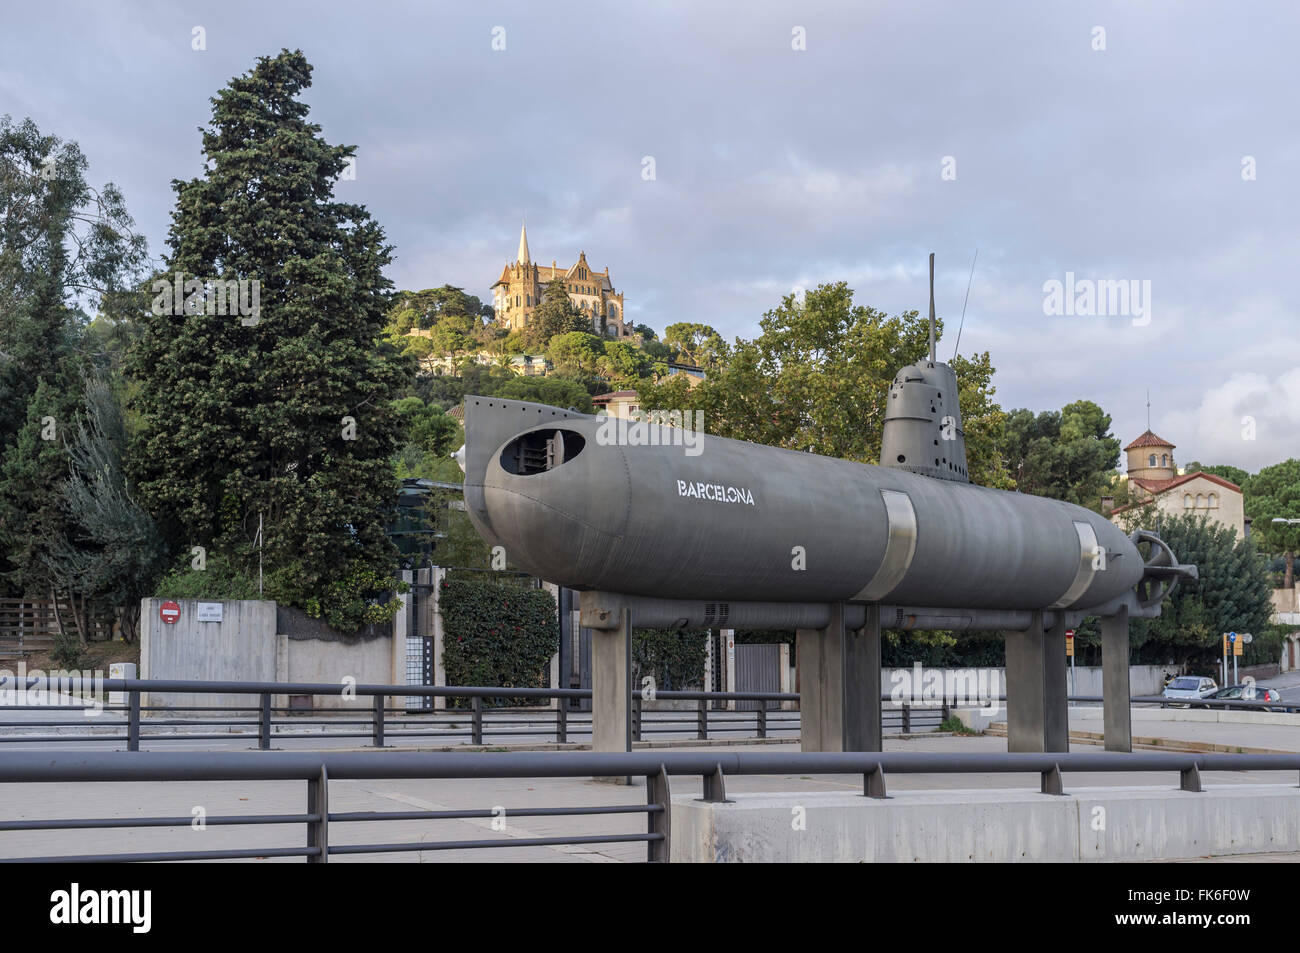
[923, 431]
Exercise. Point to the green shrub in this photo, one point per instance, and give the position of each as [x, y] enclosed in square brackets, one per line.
[497, 634]
[674, 658]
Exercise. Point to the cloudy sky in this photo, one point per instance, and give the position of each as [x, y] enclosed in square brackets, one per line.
[1154, 143]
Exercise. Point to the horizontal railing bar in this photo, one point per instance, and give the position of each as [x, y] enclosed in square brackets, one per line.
[118, 822]
[480, 844]
[251, 853]
[503, 812]
[28, 766]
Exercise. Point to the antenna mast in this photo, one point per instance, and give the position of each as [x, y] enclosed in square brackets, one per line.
[931, 307]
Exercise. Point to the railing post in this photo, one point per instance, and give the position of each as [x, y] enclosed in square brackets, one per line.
[907, 718]
[476, 728]
[762, 719]
[702, 721]
[264, 723]
[562, 721]
[660, 822]
[318, 802]
[1051, 781]
[377, 722]
[873, 783]
[715, 788]
[636, 717]
[133, 721]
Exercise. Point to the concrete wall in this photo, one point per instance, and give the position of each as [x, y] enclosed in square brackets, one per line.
[1098, 824]
[246, 647]
[241, 647]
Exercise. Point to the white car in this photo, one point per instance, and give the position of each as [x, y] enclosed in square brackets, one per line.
[1190, 686]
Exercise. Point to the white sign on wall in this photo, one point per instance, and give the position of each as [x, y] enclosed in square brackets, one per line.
[209, 612]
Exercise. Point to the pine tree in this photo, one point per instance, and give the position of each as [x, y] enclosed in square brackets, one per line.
[284, 414]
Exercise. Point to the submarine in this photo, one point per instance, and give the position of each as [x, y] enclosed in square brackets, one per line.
[690, 528]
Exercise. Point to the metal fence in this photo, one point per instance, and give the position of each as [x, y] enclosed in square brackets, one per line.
[376, 721]
[318, 770]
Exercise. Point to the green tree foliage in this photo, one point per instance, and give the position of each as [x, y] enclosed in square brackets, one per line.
[817, 379]
[64, 247]
[555, 391]
[288, 418]
[1231, 595]
[697, 344]
[1232, 474]
[622, 364]
[455, 321]
[497, 634]
[1274, 493]
[674, 658]
[1067, 455]
[557, 314]
[115, 550]
[576, 353]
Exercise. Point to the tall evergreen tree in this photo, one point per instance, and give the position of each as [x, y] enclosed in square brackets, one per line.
[284, 415]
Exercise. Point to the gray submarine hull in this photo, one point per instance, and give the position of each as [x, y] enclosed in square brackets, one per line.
[574, 502]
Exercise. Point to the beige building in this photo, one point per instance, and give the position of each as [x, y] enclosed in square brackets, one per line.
[522, 283]
[1154, 480]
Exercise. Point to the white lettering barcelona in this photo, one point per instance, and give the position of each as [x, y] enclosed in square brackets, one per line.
[716, 492]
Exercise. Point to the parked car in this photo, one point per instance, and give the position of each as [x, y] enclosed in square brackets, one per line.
[1190, 686]
[1248, 693]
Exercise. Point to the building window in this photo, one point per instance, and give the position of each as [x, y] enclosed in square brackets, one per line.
[1151, 460]
[516, 301]
[1200, 501]
[1187, 501]
[1164, 459]
[1214, 501]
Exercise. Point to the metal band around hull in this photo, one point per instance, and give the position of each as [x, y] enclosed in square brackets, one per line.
[1083, 575]
[900, 547]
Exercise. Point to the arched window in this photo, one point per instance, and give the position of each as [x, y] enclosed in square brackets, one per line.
[528, 300]
[1200, 501]
[516, 301]
[1214, 501]
[1164, 459]
[1151, 460]
[1187, 501]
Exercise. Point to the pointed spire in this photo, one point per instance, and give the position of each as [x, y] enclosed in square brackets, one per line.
[523, 257]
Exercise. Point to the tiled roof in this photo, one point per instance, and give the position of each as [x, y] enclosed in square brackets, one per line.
[1148, 439]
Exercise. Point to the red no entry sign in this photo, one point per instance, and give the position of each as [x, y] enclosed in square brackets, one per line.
[169, 612]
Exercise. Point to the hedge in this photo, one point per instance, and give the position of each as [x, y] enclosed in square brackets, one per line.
[674, 658]
[497, 634]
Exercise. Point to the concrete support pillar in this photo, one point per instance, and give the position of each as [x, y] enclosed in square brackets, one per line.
[863, 724]
[1117, 713]
[1026, 688]
[1056, 690]
[611, 686]
[839, 685]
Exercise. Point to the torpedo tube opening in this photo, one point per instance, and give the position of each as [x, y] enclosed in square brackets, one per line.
[540, 450]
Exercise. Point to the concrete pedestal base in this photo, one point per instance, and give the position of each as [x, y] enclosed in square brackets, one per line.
[1095, 824]
[839, 685]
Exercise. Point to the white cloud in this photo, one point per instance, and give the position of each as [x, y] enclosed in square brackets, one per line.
[1217, 430]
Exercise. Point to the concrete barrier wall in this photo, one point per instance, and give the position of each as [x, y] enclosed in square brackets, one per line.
[1098, 824]
[245, 647]
[241, 647]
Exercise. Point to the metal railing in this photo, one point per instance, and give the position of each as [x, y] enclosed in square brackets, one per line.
[377, 725]
[318, 770]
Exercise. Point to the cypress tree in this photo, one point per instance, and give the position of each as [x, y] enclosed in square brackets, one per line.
[278, 408]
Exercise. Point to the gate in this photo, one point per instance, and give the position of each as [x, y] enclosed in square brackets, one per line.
[419, 639]
[758, 669]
